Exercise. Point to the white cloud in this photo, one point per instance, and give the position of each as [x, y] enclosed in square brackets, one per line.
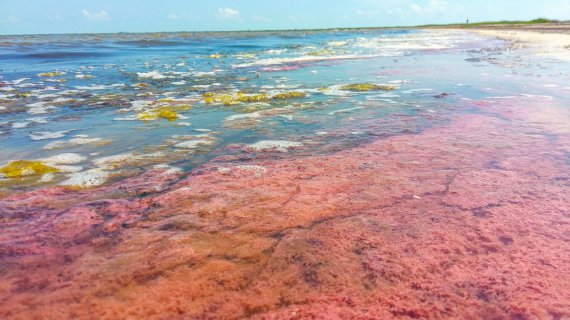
[434, 6]
[228, 14]
[13, 19]
[173, 16]
[416, 8]
[96, 16]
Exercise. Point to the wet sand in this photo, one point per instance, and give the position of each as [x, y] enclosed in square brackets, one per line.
[465, 221]
[550, 40]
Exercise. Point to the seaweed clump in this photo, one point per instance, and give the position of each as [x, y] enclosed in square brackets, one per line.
[229, 99]
[169, 113]
[50, 74]
[223, 98]
[290, 95]
[360, 87]
[252, 98]
[22, 168]
[319, 53]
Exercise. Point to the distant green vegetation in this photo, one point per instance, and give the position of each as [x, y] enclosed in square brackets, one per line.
[535, 21]
[493, 23]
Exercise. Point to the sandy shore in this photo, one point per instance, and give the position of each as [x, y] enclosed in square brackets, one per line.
[545, 40]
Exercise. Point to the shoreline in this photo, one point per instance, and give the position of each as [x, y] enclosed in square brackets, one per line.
[542, 40]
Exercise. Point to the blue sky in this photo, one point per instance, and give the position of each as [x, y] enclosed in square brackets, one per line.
[78, 16]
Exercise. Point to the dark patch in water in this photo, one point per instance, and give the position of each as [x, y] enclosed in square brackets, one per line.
[244, 46]
[57, 55]
[151, 43]
[506, 240]
[480, 213]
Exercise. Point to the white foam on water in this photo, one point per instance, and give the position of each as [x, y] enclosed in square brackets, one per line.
[256, 114]
[41, 120]
[417, 90]
[151, 74]
[537, 96]
[193, 144]
[64, 158]
[47, 177]
[345, 110]
[20, 125]
[45, 135]
[274, 145]
[40, 107]
[110, 160]
[68, 169]
[275, 61]
[78, 140]
[86, 179]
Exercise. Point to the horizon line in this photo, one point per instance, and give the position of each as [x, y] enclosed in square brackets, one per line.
[488, 23]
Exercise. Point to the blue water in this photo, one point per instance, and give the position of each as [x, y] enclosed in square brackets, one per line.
[421, 64]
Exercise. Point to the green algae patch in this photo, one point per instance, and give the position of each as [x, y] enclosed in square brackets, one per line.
[22, 168]
[50, 74]
[362, 87]
[290, 95]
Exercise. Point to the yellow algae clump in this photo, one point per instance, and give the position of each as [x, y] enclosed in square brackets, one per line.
[230, 99]
[290, 95]
[367, 87]
[253, 98]
[50, 74]
[223, 98]
[166, 113]
[319, 53]
[169, 113]
[147, 116]
[21, 168]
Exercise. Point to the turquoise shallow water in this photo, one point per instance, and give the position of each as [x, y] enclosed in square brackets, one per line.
[89, 94]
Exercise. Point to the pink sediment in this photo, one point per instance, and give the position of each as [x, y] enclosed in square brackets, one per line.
[470, 220]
